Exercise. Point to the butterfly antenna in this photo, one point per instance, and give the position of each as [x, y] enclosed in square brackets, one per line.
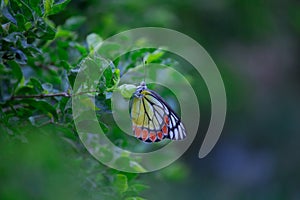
[145, 71]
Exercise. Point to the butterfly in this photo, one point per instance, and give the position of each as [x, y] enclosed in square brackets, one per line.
[152, 118]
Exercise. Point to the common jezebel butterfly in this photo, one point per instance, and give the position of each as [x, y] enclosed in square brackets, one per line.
[152, 118]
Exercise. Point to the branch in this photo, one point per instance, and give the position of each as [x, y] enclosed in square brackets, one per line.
[41, 96]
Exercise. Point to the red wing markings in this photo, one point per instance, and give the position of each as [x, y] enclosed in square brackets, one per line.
[159, 120]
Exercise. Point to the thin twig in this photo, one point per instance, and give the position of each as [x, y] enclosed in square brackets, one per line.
[41, 96]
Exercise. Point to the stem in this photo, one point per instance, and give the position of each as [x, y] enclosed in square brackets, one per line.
[41, 96]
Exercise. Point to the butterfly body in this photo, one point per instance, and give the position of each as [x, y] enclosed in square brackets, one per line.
[152, 118]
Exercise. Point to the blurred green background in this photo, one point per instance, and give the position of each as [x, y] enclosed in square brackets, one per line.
[256, 46]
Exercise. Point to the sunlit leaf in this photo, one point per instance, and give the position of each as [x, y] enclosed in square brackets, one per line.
[93, 40]
[58, 7]
[47, 6]
[154, 56]
[120, 183]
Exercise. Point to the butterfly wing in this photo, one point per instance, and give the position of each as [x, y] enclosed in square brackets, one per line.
[176, 130]
[153, 119]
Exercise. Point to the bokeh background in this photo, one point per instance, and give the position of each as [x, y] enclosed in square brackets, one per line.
[256, 46]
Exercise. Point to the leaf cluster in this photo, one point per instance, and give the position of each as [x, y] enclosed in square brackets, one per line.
[39, 62]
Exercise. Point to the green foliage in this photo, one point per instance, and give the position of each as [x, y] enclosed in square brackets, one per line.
[38, 64]
[36, 171]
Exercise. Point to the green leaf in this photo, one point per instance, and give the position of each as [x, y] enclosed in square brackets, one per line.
[74, 22]
[104, 127]
[58, 7]
[44, 30]
[62, 33]
[36, 85]
[120, 183]
[117, 73]
[38, 120]
[62, 53]
[35, 5]
[108, 76]
[11, 75]
[93, 40]
[25, 90]
[137, 187]
[26, 10]
[82, 50]
[20, 57]
[31, 50]
[16, 72]
[5, 12]
[127, 90]
[27, 25]
[65, 65]
[48, 87]
[157, 54]
[47, 6]
[5, 27]
[13, 37]
[42, 106]
[20, 20]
